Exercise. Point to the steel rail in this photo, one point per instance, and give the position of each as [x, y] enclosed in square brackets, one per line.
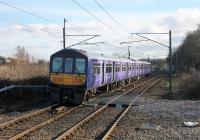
[20, 135]
[92, 115]
[111, 129]
[26, 116]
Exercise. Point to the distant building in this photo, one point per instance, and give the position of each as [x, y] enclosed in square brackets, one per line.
[2, 60]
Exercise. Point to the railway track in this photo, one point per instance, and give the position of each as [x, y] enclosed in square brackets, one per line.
[17, 128]
[5, 127]
[101, 123]
[29, 126]
[116, 122]
[59, 126]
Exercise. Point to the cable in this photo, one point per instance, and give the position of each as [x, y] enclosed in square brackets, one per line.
[9, 21]
[13, 22]
[27, 12]
[32, 14]
[97, 18]
[111, 16]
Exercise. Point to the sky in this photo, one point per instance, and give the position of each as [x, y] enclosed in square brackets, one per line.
[41, 38]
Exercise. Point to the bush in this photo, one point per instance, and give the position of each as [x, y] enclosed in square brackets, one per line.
[23, 71]
[189, 86]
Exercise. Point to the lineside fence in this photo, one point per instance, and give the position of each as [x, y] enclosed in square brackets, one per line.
[25, 90]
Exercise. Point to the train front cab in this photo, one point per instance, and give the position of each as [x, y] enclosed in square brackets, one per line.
[68, 73]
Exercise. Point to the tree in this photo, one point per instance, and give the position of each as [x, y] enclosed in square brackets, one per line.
[21, 55]
[188, 53]
[41, 61]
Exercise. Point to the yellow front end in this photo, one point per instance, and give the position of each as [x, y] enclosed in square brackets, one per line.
[68, 79]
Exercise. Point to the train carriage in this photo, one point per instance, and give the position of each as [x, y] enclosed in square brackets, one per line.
[75, 72]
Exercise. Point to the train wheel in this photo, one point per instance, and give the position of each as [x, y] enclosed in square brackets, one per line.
[54, 97]
[79, 97]
[61, 95]
[87, 96]
[107, 88]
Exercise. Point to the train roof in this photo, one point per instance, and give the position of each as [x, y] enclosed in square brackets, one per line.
[91, 55]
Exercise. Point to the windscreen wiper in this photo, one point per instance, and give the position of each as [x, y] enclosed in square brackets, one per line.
[59, 69]
[79, 73]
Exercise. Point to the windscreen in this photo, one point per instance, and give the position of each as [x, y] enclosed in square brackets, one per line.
[80, 65]
[68, 65]
[57, 64]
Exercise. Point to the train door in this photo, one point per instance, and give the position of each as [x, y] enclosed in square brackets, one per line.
[126, 70]
[102, 69]
[113, 71]
[132, 70]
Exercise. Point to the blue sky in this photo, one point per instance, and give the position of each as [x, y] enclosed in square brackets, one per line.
[57, 9]
[181, 16]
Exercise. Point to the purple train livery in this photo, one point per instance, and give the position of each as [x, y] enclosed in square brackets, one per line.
[75, 73]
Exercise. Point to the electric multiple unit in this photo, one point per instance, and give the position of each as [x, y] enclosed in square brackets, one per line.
[76, 73]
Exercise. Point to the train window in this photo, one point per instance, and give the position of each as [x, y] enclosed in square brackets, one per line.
[117, 68]
[97, 64]
[108, 68]
[123, 67]
[108, 65]
[68, 65]
[57, 64]
[134, 66]
[80, 65]
[96, 69]
[129, 67]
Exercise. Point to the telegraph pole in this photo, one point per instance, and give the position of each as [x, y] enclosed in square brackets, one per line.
[129, 53]
[64, 34]
[167, 46]
[170, 62]
[130, 42]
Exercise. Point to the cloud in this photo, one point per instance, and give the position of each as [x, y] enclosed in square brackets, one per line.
[41, 40]
[183, 21]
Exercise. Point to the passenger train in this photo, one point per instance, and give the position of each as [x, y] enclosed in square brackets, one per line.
[76, 73]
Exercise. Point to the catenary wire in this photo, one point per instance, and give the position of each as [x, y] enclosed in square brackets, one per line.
[30, 13]
[98, 19]
[116, 21]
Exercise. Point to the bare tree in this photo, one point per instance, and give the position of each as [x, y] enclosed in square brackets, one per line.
[188, 53]
[21, 55]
